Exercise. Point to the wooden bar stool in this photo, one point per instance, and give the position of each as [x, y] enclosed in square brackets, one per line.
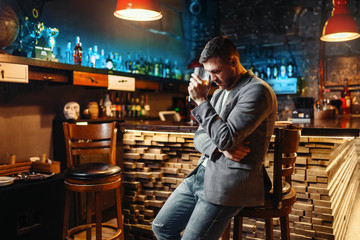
[279, 201]
[92, 178]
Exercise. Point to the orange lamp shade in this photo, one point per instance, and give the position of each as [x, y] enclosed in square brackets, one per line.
[138, 10]
[341, 26]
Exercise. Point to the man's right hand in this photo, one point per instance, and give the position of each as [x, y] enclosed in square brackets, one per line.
[237, 153]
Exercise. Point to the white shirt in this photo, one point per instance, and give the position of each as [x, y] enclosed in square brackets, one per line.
[224, 100]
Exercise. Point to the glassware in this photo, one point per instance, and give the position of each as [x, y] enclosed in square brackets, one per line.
[190, 104]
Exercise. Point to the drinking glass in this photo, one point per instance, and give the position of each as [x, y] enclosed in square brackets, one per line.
[190, 104]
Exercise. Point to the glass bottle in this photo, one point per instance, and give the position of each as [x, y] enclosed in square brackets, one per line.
[68, 57]
[345, 98]
[78, 52]
[283, 74]
[128, 63]
[268, 70]
[107, 105]
[290, 69]
[275, 71]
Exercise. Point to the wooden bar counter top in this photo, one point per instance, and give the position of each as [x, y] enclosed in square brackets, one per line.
[342, 126]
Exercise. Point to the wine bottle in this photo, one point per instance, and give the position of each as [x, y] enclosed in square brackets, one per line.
[78, 52]
[345, 98]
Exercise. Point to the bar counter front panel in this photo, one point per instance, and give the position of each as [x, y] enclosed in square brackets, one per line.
[158, 155]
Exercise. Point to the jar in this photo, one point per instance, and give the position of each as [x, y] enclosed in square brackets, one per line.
[93, 110]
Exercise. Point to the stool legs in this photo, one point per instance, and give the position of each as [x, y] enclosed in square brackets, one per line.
[119, 212]
[269, 229]
[66, 213]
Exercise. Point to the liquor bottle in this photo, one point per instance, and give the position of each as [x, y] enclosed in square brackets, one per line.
[107, 104]
[109, 62]
[149, 67]
[137, 107]
[142, 106]
[88, 61]
[156, 68]
[283, 74]
[117, 106]
[96, 57]
[275, 70]
[68, 54]
[345, 98]
[128, 63]
[137, 65]
[176, 73]
[290, 69]
[166, 69]
[268, 70]
[128, 106]
[78, 52]
[102, 109]
[147, 107]
[123, 105]
[132, 106]
[102, 59]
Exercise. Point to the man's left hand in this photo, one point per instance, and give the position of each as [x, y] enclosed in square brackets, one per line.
[237, 153]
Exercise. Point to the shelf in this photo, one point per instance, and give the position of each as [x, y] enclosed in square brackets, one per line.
[61, 72]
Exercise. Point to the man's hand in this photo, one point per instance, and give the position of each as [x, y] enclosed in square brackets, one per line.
[237, 153]
[198, 89]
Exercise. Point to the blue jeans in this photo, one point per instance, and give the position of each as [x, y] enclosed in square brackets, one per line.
[186, 208]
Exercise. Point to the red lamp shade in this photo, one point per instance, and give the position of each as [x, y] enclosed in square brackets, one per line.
[341, 26]
[138, 10]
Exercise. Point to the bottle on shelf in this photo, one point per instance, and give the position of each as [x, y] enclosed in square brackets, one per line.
[88, 55]
[128, 63]
[107, 105]
[156, 68]
[268, 70]
[96, 57]
[282, 74]
[137, 107]
[290, 69]
[110, 62]
[78, 52]
[147, 107]
[166, 69]
[102, 59]
[118, 110]
[68, 54]
[275, 70]
[176, 73]
[137, 64]
[142, 106]
[345, 99]
[128, 106]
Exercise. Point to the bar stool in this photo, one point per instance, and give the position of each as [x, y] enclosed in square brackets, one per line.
[91, 178]
[279, 201]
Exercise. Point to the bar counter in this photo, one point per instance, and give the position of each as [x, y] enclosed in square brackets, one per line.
[158, 155]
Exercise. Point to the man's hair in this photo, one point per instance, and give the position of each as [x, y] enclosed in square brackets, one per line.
[221, 47]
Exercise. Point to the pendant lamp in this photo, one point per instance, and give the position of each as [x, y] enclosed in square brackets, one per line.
[138, 10]
[341, 26]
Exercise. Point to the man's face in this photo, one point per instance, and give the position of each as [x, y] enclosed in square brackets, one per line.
[222, 73]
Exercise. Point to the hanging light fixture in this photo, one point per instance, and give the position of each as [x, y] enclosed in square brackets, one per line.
[341, 26]
[138, 10]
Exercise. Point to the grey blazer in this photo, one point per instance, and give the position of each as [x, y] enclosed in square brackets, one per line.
[249, 114]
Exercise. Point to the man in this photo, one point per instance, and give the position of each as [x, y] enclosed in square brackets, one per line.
[233, 136]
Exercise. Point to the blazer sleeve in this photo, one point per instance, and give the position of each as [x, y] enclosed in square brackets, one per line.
[249, 107]
[202, 141]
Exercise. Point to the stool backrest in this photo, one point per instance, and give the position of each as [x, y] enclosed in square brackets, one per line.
[93, 138]
[285, 153]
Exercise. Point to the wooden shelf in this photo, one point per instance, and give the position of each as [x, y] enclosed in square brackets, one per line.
[61, 72]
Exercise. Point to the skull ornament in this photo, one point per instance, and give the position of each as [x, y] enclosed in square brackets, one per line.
[72, 110]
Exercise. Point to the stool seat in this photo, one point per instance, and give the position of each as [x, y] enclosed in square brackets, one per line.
[87, 182]
[92, 171]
